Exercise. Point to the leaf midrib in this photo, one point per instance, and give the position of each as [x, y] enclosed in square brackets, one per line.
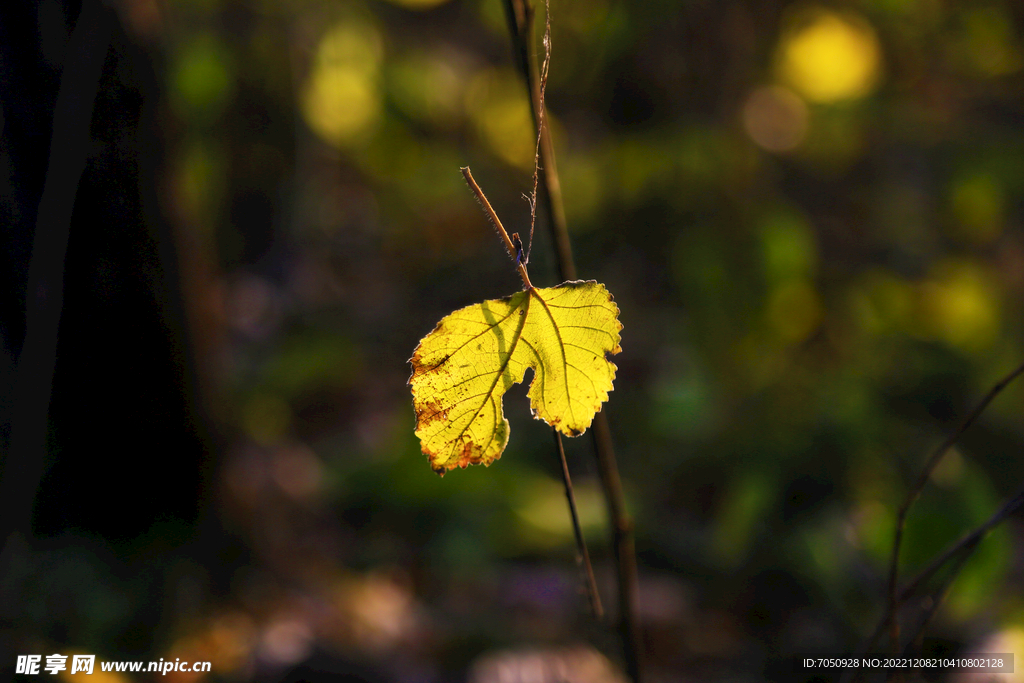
[561, 348]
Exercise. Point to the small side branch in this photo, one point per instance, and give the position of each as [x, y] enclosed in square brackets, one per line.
[958, 553]
[498, 227]
[966, 544]
[891, 618]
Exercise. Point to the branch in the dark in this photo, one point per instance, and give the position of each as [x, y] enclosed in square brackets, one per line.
[69, 146]
[891, 618]
[583, 555]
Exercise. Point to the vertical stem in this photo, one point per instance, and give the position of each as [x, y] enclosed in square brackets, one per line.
[625, 551]
[583, 556]
[520, 20]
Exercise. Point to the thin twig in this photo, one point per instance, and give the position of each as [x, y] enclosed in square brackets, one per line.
[520, 20]
[541, 111]
[969, 539]
[962, 548]
[583, 556]
[939, 594]
[891, 617]
[498, 227]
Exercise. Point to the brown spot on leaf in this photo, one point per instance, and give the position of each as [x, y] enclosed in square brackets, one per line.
[468, 456]
[419, 367]
[428, 412]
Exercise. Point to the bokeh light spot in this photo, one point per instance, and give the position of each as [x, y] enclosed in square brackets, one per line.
[298, 472]
[266, 418]
[989, 41]
[286, 641]
[380, 611]
[960, 306]
[794, 310]
[1009, 639]
[829, 56]
[789, 248]
[775, 118]
[496, 103]
[202, 80]
[428, 87]
[97, 675]
[883, 303]
[978, 202]
[341, 99]
[581, 664]
[542, 508]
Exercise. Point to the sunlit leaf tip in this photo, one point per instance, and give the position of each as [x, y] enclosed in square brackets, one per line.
[461, 370]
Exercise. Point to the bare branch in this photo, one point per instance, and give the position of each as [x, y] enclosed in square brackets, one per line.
[498, 227]
[891, 618]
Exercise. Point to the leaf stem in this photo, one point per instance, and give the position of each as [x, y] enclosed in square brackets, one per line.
[520, 21]
[582, 555]
[498, 227]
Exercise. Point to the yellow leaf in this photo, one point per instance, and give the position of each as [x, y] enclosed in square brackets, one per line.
[461, 370]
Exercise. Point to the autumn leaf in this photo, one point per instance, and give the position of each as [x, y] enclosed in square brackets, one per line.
[461, 370]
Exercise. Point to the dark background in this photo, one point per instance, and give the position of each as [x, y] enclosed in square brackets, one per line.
[810, 218]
